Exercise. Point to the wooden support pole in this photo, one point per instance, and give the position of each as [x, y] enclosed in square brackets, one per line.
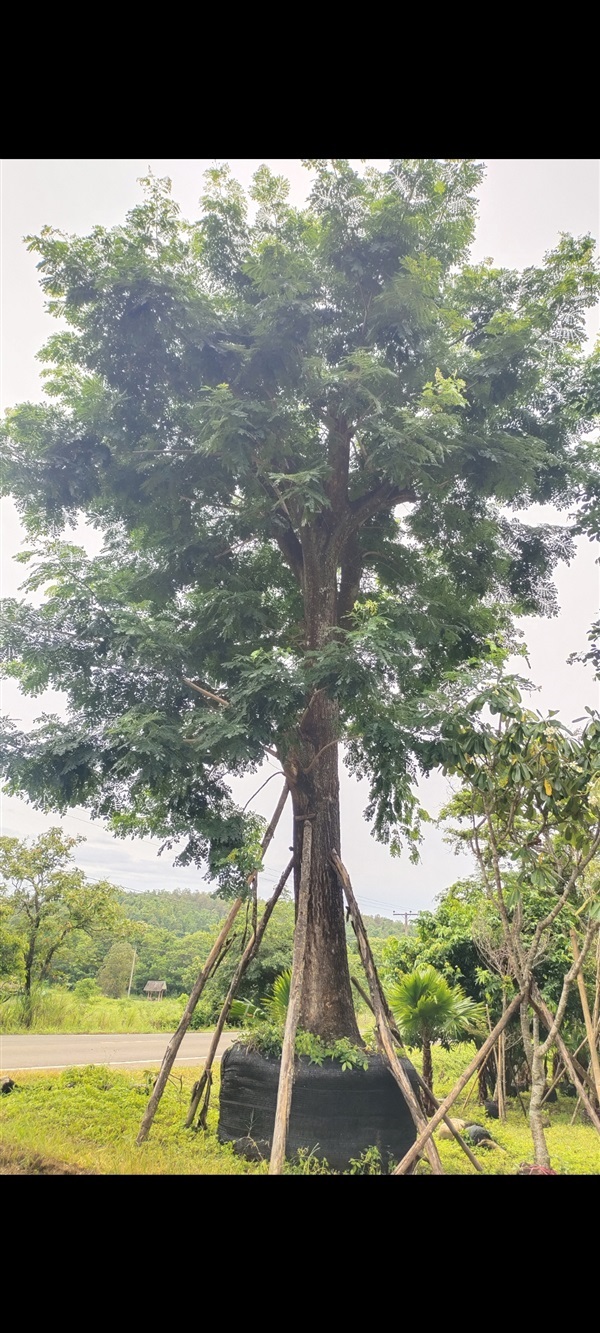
[587, 1018]
[249, 953]
[422, 1084]
[286, 1073]
[382, 1014]
[214, 958]
[444, 1106]
[543, 1012]
[563, 1070]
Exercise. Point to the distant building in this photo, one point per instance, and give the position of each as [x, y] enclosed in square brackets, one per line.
[154, 990]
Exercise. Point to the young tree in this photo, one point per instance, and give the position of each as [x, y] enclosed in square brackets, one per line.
[300, 436]
[529, 809]
[427, 1009]
[48, 898]
[114, 975]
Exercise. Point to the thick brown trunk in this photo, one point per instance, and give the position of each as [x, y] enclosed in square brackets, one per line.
[327, 1007]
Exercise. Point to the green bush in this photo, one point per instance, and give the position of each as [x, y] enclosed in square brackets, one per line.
[87, 989]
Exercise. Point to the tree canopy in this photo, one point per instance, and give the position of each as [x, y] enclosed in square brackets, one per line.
[45, 899]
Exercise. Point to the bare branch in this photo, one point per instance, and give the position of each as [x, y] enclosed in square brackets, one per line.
[208, 694]
[319, 753]
[278, 773]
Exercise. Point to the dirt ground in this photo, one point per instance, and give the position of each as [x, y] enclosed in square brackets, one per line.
[18, 1162]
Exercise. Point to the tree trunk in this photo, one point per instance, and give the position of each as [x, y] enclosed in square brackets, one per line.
[311, 767]
[427, 1064]
[327, 1006]
[27, 1006]
[538, 1087]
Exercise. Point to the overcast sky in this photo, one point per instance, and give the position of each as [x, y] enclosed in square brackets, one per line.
[523, 206]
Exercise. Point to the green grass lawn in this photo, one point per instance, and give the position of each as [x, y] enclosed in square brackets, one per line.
[59, 1010]
[89, 1118]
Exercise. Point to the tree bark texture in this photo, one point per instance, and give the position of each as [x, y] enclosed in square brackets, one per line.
[427, 1064]
[327, 1007]
[538, 1088]
[312, 769]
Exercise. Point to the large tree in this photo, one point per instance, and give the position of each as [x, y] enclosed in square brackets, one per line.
[301, 433]
[46, 900]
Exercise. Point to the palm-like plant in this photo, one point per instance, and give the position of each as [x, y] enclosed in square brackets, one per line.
[426, 1008]
[272, 1008]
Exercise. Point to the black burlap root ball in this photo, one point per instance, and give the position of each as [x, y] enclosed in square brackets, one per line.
[336, 1113]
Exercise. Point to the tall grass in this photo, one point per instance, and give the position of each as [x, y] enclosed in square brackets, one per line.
[53, 1009]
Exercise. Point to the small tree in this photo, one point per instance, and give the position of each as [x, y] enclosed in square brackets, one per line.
[428, 1009]
[11, 954]
[529, 809]
[113, 977]
[48, 898]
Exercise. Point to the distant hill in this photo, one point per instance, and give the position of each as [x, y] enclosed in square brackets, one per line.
[181, 911]
[185, 911]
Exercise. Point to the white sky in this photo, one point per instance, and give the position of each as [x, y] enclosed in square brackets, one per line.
[523, 206]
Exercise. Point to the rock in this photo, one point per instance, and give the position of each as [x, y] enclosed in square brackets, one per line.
[480, 1136]
[445, 1133]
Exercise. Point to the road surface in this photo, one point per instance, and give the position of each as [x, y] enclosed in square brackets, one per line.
[102, 1048]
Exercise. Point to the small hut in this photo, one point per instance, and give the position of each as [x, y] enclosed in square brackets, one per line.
[154, 990]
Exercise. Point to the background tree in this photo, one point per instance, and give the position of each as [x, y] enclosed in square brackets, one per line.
[529, 809]
[113, 977]
[301, 437]
[11, 954]
[48, 899]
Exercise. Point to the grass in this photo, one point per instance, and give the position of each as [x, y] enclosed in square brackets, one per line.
[57, 1010]
[89, 1118]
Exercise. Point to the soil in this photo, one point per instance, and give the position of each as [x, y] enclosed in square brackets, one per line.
[20, 1162]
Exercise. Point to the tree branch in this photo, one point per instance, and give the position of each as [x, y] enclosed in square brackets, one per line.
[290, 547]
[384, 495]
[338, 457]
[208, 694]
[352, 567]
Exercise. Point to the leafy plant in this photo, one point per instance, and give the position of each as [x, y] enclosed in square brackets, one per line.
[427, 1009]
[370, 1163]
[265, 1024]
[273, 1007]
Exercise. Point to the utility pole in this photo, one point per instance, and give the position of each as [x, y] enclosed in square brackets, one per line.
[131, 975]
[406, 916]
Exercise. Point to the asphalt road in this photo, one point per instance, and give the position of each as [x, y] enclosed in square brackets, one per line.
[102, 1048]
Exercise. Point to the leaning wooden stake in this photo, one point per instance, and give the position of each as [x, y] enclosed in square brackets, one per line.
[587, 1018]
[249, 953]
[382, 1016]
[422, 1084]
[563, 1070]
[547, 1018]
[286, 1073]
[212, 961]
[214, 958]
[444, 1107]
